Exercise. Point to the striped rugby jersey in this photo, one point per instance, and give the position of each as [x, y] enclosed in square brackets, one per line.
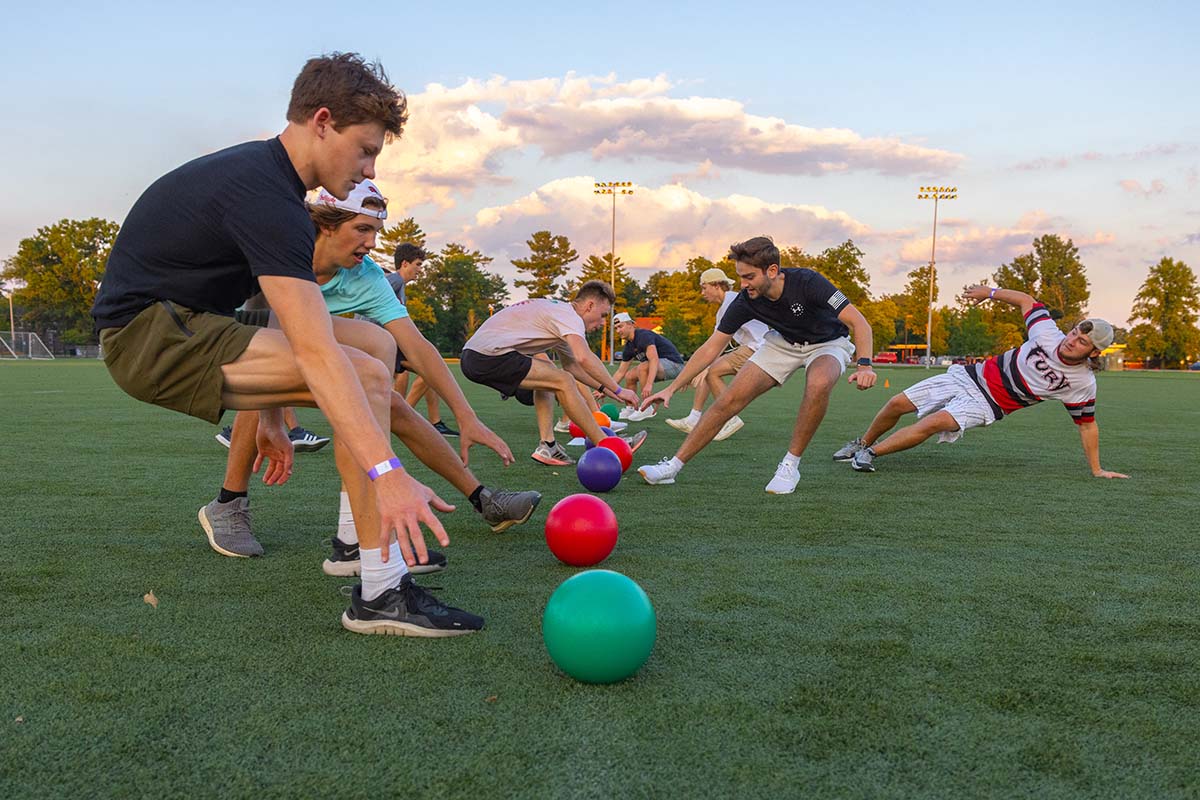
[1033, 372]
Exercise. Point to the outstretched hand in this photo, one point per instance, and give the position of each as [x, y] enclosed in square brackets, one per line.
[978, 292]
[474, 432]
[275, 449]
[865, 378]
[661, 396]
[405, 504]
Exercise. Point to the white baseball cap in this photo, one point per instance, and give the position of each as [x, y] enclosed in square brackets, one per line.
[622, 316]
[714, 275]
[354, 200]
[1099, 331]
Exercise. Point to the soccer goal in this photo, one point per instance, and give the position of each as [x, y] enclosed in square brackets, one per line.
[23, 344]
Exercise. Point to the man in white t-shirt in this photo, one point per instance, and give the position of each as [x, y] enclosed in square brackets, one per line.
[716, 287]
[501, 355]
[1050, 364]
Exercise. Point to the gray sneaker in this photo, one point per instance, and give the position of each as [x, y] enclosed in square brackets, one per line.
[502, 509]
[847, 452]
[227, 526]
[864, 460]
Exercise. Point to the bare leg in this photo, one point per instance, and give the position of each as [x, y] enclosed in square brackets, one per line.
[887, 418]
[913, 435]
[820, 377]
[239, 464]
[714, 379]
[549, 381]
[429, 446]
[432, 405]
[543, 404]
[289, 418]
[702, 392]
[749, 384]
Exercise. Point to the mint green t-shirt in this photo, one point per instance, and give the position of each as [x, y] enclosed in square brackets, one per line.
[363, 290]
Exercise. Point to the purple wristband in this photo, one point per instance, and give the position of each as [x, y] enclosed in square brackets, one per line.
[384, 467]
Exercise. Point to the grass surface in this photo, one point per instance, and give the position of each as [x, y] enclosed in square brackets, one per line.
[976, 620]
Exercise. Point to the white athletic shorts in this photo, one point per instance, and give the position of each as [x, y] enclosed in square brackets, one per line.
[956, 393]
[779, 358]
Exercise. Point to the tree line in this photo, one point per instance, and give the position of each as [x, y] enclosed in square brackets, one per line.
[54, 275]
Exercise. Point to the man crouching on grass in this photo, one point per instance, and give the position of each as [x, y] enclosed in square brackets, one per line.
[1049, 364]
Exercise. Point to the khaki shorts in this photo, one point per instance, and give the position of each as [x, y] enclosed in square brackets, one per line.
[171, 356]
[779, 358]
[737, 358]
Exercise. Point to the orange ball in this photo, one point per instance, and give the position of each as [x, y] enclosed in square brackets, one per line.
[602, 419]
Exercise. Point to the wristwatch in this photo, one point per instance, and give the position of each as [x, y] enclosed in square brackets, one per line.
[864, 362]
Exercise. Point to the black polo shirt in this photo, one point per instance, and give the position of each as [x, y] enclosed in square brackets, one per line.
[806, 312]
[202, 234]
[635, 348]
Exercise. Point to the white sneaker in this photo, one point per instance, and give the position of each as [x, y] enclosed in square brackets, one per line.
[658, 474]
[562, 426]
[638, 416]
[625, 412]
[731, 426]
[785, 480]
[685, 424]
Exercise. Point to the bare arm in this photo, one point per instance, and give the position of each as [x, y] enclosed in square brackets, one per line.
[1089, 436]
[864, 345]
[1011, 296]
[593, 372]
[700, 361]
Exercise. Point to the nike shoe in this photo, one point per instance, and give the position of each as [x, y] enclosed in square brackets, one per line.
[635, 441]
[502, 509]
[225, 436]
[684, 424]
[554, 456]
[659, 474]
[847, 452]
[864, 460]
[785, 480]
[305, 441]
[407, 610]
[731, 426]
[344, 561]
[227, 526]
[444, 429]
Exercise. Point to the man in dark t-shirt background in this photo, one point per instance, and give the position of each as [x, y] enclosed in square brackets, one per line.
[810, 319]
[647, 357]
[208, 235]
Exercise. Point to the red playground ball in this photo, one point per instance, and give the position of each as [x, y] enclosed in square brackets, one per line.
[599, 469]
[589, 444]
[620, 447]
[581, 530]
[576, 431]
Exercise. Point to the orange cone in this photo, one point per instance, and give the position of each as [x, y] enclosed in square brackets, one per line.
[887, 384]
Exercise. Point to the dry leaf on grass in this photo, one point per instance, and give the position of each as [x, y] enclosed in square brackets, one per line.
[150, 599]
[19, 720]
[490, 698]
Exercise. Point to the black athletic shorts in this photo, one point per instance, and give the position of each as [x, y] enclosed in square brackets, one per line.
[255, 318]
[400, 368]
[503, 373]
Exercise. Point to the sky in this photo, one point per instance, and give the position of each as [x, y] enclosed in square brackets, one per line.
[807, 123]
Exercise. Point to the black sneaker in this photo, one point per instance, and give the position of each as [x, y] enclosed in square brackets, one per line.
[502, 509]
[304, 441]
[344, 562]
[407, 610]
[443, 429]
[225, 436]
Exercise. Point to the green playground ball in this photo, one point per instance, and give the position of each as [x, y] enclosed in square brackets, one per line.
[599, 626]
[611, 409]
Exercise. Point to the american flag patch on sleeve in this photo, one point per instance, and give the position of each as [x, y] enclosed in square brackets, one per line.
[837, 300]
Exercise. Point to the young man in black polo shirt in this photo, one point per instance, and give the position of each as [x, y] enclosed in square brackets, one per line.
[655, 355]
[810, 320]
[204, 238]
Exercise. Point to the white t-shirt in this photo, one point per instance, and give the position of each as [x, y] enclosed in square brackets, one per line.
[751, 334]
[529, 327]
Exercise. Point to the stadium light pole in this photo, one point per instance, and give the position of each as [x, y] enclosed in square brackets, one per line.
[12, 325]
[936, 194]
[613, 188]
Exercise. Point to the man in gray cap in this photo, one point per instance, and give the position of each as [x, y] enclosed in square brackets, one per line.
[1049, 364]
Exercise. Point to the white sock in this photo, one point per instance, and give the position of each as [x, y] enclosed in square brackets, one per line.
[694, 417]
[346, 533]
[378, 577]
[791, 460]
[739, 419]
[676, 464]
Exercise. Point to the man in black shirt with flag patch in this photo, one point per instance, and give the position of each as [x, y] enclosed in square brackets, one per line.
[809, 320]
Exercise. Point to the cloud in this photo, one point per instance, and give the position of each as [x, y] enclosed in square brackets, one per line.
[705, 171]
[1150, 152]
[457, 137]
[1135, 187]
[657, 228]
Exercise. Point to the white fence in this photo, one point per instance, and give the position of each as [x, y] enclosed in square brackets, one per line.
[23, 344]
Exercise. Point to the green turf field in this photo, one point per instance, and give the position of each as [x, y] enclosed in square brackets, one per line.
[977, 620]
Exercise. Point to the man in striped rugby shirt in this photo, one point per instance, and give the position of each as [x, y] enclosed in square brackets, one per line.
[1050, 364]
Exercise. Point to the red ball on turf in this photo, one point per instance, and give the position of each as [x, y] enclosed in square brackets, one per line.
[581, 530]
[620, 447]
[576, 431]
[589, 444]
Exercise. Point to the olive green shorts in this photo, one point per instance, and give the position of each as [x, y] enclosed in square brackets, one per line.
[171, 356]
